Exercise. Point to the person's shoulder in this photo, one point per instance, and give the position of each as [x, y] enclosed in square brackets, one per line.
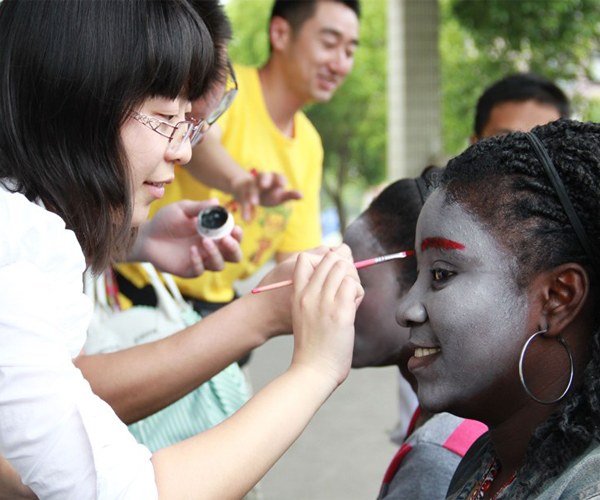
[453, 433]
[305, 128]
[580, 480]
[247, 78]
[32, 233]
[476, 458]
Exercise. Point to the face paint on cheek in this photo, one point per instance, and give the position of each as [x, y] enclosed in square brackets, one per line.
[478, 317]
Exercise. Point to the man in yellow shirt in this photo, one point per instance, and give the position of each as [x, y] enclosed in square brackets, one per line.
[265, 140]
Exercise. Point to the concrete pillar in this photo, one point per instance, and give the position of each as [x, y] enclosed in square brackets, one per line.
[414, 114]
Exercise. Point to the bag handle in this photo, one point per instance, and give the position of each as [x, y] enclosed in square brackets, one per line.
[172, 303]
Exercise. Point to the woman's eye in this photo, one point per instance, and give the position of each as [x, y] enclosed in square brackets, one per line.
[441, 275]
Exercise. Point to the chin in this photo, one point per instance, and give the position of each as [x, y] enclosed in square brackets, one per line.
[140, 215]
[432, 401]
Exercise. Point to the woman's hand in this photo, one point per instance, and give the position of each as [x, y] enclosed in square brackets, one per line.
[277, 304]
[171, 242]
[327, 293]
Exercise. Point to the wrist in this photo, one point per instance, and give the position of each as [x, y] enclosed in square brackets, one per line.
[273, 318]
[237, 181]
[313, 377]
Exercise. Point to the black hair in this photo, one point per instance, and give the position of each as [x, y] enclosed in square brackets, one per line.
[392, 218]
[503, 183]
[71, 72]
[519, 87]
[213, 15]
[296, 12]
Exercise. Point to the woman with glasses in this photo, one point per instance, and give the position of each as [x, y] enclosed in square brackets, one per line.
[94, 98]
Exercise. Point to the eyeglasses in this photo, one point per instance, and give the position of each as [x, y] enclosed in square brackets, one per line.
[191, 129]
[231, 90]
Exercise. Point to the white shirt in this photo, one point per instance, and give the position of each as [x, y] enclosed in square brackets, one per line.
[65, 442]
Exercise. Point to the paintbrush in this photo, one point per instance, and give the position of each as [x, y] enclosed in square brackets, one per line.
[359, 265]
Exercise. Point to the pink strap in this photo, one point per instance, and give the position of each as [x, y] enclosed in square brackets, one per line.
[464, 436]
[396, 461]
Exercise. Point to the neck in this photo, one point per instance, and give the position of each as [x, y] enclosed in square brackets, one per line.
[424, 416]
[511, 437]
[281, 101]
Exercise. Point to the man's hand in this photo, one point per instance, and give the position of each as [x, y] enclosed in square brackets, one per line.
[266, 189]
[171, 242]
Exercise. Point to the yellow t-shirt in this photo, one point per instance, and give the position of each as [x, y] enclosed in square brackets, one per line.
[253, 140]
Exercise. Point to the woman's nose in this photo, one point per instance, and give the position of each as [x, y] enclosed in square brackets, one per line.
[181, 155]
[410, 312]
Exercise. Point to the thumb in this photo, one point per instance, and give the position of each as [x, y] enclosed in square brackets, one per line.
[192, 208]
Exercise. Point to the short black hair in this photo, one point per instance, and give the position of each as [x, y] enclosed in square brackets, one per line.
[213, 15]
[296, 12]
[519, 87]
[71, 73]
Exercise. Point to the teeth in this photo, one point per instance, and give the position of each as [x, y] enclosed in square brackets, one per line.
[157, 184]
[421, 352]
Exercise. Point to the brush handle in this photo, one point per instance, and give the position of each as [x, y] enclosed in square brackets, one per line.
[358, 265]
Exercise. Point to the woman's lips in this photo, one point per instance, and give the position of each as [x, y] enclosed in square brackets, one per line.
[156, 188]
[422, 357]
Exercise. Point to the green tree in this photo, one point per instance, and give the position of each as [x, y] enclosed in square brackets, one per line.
[482, 41]
[353, 124]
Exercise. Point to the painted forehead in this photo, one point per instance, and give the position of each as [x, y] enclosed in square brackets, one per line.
[447, 227]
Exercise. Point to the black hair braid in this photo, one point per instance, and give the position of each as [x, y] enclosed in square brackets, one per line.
[503, 183]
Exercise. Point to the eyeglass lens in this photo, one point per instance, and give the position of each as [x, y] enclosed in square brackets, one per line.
[185, 131]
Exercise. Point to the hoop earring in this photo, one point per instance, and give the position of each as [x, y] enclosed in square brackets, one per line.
[522, 377]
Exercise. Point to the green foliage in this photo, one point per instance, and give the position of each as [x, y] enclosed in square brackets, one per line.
[482, 41]
[554, 36]
[250, 23]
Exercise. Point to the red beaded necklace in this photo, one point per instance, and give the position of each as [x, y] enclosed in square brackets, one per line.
[484, 484]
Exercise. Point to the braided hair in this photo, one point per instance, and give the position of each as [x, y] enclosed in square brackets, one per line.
[503, 183]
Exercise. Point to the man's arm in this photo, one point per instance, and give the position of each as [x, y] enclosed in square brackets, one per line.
[213, 166]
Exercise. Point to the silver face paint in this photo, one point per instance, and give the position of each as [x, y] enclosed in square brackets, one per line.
[378, 338]
[467, 316]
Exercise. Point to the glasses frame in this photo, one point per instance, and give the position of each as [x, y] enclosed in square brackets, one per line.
[197, 129]
[227, 99]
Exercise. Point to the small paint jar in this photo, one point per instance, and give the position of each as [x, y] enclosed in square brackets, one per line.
[215, 222]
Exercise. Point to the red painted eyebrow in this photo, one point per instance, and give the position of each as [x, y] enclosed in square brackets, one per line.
[442, 243]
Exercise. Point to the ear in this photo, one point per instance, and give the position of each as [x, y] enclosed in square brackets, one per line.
[565, 291]
[280, 33]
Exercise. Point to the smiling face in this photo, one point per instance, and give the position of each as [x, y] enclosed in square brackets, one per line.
[467, 317]
[321, 54]
[378, 338]
[151, 161]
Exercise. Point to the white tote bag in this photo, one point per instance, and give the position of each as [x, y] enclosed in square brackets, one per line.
[112, 330]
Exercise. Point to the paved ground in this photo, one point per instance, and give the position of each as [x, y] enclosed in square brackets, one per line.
[345, 450]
